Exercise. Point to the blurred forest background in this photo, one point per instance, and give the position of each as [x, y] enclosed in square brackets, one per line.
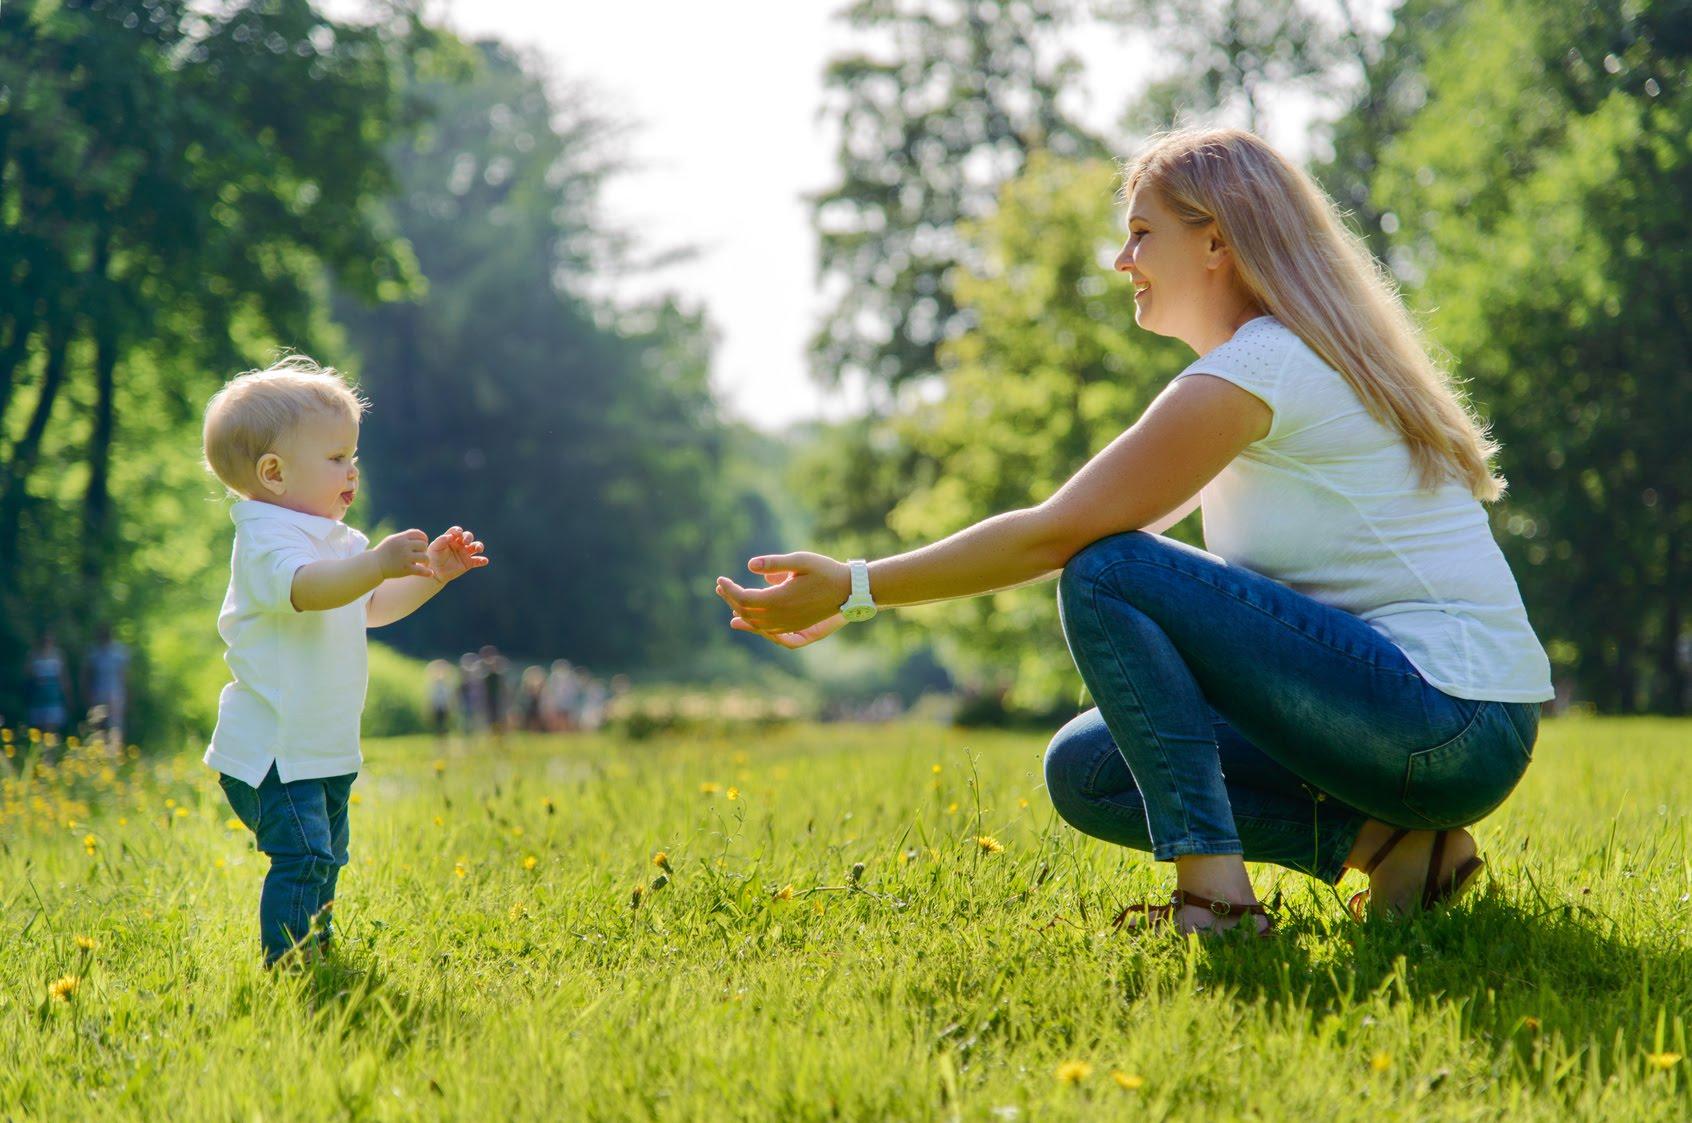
[187, 188]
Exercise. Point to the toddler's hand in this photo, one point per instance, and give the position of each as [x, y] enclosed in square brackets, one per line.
[454, 554]
[403, 554]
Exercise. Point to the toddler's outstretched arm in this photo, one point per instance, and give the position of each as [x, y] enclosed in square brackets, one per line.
[450, 556]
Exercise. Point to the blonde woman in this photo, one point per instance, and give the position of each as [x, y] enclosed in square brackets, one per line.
[1347, 678]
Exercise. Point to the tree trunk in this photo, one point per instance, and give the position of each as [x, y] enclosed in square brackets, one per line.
[23, 326]
[15, 473]
[96, 505]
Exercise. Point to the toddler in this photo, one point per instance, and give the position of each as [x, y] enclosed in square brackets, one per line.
[303, 587]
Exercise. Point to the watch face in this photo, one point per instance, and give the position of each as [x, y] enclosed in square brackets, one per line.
[857, 613]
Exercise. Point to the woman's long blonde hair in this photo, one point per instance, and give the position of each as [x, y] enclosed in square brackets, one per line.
[1306, 268]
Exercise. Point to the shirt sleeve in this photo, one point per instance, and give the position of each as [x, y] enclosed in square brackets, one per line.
[268, 558]
[1255, 364]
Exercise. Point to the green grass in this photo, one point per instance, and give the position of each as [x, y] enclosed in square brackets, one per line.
[950, 983]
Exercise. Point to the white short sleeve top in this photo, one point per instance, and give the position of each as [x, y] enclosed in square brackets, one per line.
[1329, 504]
[299, 677]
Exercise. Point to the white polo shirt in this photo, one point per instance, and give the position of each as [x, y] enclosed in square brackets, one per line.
[300, 677]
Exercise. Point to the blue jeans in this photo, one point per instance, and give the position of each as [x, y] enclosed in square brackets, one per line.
[1236, 716]
[302, 828]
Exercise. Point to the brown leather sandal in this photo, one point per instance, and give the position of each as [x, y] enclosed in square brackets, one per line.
[1165, 914]
[1433, 893]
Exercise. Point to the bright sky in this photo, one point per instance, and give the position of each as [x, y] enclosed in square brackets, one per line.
[723, 100]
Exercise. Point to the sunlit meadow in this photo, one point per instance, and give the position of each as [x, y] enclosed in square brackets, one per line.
[814, 922]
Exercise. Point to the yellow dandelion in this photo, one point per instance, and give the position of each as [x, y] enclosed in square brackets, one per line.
[662, 861]
[517, 832]
[1073, 1072]
[1128, 1081]
[1662, 1062]
[785, 893]
[952, 808]
[710, 788]
[989, 844]
[734, 793]
[63, 989]
[355, 799]
[440, 822]
[233, 824]
[218, 863]
[1023, 802]
[89, 841]
[170, 803]
[123, 820]
[181, 812]
[936, 770]
[460, 868]
[440, 767]
[635, 896]
[530, 862]
[1380, 1062]
[87, 943]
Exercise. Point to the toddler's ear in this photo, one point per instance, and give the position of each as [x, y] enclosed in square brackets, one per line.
[269, 473]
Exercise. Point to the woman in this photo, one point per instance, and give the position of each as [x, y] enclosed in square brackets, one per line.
[1348, 678]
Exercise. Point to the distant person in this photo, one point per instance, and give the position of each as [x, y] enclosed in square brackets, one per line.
[531, 700]
[472, 693]
[105, 676]
[561, 696]
[46, 686]
[1349, 679]
[496, 700]
[303, 589]
[438, 697]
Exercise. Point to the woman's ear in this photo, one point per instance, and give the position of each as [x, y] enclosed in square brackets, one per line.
[269, 472]
[1216, 250]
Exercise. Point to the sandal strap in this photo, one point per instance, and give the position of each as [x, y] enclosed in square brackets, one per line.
[1217, 908]
[1430, 886]
[1393, 840]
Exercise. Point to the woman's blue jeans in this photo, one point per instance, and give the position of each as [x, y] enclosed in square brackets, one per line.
[1236, 716]
[302, 828]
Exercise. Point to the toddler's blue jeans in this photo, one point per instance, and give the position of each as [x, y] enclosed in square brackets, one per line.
[302, 828]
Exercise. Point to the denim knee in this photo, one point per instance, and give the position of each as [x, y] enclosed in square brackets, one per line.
[1070, 759]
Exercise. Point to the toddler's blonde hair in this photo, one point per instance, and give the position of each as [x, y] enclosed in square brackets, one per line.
[255, 410]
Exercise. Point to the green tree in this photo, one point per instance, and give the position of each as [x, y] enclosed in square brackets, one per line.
[173, 183]
[1052, 371]
[580, 440]
[1543, 187]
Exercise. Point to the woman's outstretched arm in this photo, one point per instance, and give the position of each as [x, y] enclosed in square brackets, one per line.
[1189, 434]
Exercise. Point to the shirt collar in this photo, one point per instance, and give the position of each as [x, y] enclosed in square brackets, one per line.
[254, 510]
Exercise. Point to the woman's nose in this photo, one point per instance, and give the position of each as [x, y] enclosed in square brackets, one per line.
[1124, 258]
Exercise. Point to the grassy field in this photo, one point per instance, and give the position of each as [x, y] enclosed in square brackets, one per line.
[510, 948]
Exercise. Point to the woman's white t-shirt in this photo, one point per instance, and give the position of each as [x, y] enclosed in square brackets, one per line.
[1329, 504]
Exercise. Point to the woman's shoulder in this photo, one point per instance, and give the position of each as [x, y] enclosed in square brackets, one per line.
[1254, 356]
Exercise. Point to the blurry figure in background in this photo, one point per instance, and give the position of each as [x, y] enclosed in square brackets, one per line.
[494, 667]
[472, 693]
[438, 695]
[531, 701]
[594, 697]
[561, 697]
[46, 686]
[105, 684]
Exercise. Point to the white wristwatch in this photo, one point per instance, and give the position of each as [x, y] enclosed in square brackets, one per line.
[859, 606]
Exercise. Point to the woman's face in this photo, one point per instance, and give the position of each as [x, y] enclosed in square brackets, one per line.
[1183, 280]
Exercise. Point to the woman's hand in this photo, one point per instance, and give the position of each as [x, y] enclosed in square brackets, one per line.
[800, 603]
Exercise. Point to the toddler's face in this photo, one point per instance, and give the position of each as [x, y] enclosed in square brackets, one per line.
[317, 469]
